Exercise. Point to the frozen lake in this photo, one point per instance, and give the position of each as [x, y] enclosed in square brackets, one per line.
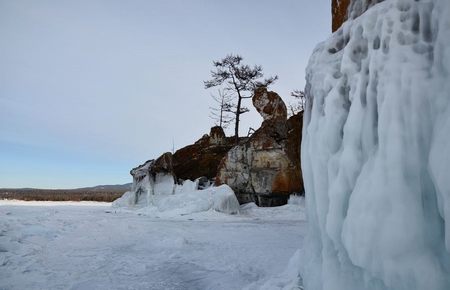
[92, 246]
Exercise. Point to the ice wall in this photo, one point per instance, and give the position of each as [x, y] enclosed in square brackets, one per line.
[376, 151]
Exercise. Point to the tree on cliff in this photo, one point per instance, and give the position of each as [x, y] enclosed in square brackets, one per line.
[299, 104]
[221, 113]
[240, 80]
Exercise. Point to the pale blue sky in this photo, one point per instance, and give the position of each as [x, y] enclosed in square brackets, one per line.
[90, 89]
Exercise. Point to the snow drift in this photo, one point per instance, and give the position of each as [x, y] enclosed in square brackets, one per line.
[165, 196]
[376, 151]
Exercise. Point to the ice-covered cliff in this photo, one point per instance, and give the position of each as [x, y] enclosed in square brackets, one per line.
[376, 151]
[154, 189]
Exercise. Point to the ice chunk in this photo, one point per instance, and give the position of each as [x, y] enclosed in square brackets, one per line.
[224, 199]
[188, 186]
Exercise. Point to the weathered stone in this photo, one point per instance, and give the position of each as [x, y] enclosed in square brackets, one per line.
[294, 139]
[269, 105]
[164, 164]
[217, 136]
[266, 168]
[203, 157]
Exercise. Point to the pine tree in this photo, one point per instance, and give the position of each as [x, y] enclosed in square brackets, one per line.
[238, 79]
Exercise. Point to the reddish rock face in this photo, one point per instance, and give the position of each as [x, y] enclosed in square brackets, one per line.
[269, 105]
[164, 164]
[339, 13]
[341, 10]
[200, 159]
[293, 143]
[266, 168]
[203, 157]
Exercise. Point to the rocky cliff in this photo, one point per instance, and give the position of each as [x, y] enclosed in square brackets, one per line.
[266, 168]
[199, 160]
[202, 158]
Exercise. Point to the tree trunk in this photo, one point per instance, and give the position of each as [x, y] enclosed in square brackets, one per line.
[236, 125]
[221, 111]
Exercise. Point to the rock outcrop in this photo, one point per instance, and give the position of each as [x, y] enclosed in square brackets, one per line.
[266, 168]
[269, 105]
[153, 177]
[199, 160]
[203, 157]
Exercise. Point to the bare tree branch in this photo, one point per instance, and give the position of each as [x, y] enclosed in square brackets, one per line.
[239, 79]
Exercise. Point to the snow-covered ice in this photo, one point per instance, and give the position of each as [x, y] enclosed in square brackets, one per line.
[88, 246]
[181, 200]
[158, 192]
[375, 151]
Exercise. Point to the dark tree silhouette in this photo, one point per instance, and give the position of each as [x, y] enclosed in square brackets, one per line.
[239, 79]
[221, 113]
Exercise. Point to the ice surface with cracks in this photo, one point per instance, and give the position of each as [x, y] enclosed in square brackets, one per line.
[376, 151]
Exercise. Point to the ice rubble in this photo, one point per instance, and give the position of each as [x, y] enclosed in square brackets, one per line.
[376, 151]
[163, 195]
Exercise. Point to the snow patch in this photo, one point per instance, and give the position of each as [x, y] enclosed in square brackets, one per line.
[289, 279]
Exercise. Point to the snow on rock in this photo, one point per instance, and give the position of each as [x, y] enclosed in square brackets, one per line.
[182, 199]
[375, 151]
[154, 189]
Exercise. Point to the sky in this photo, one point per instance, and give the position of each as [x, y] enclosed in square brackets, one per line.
[90, 89]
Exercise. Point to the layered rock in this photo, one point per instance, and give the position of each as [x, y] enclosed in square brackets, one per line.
[266, 168]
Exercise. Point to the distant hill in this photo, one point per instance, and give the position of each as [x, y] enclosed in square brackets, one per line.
[114, 187]
[106, 193]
